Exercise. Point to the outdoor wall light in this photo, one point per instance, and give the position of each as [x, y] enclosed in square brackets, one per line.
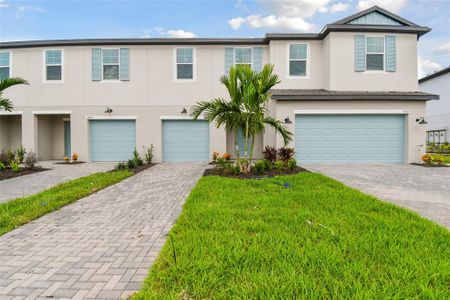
[287, 120]
[184, 111]
[108, 110]
[421, 120]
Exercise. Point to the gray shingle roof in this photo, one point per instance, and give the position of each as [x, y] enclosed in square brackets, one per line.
[321, 94]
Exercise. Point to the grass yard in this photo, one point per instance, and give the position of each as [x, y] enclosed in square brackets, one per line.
[316, 239]
[23, 210]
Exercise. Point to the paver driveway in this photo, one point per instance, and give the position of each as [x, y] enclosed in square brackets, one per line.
[101, 246]
[37, 182]
[424, 190]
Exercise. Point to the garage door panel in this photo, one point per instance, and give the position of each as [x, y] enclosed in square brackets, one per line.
[185, 140]
[349, 138]
[112, 140]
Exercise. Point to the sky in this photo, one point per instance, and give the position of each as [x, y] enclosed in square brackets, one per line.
[65, 19]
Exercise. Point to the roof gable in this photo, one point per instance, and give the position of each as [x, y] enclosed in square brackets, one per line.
[375, 16]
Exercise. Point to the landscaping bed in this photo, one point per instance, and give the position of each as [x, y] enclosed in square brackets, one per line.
[73, 163]
[217, 171]
[302, 236]
[9, 173]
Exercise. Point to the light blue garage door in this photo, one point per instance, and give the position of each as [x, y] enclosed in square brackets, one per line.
[185, 140]
[332, 139]
[112, 140]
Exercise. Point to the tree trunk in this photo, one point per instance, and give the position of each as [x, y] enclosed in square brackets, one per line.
[251, 153]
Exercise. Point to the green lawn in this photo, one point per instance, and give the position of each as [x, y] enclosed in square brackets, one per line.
[23, 210]
[316, 239]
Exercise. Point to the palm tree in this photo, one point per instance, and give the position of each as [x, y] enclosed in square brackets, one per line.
[5, 103]
[247, 110]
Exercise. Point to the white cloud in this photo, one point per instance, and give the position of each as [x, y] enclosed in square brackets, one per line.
[4, 4]
[236, 23]
[23, 9]
[391, 5]
[180, 34]
[443, 49]
[294, 8]
[427, 67]
[338, 7]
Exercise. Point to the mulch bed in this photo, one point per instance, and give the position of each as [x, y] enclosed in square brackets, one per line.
[253, 175]
[69, 163]
[8, 173]
[432, 166]
[141, 168]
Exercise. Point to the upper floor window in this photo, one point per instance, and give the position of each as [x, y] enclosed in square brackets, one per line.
[374, 53]
[243, 56]
[5, 65]
[298, 57]
[53, 65]
[184, 63]
[111, 64]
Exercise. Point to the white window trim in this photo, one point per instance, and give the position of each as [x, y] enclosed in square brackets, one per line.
[194, 65]
[51, 112]
[288, 76]
[251, 59]
[118, 64]
[375, 72]
[44, 69]
[10, 62]
[351, 112]
[179, 118]
[11, 113]
[111, 117]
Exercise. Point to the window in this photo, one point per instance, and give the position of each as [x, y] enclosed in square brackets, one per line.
[436, 136]
[243, 56]
[184, 63]
[298, 56]
[5, 65]
[374, 53]
[53, 65]
[110, 64]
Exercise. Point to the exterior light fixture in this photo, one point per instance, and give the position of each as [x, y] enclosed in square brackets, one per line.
[287, 120]
[184, 111]
[421, 120]
[108, 110]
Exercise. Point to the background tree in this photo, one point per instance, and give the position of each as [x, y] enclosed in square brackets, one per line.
[5, 103]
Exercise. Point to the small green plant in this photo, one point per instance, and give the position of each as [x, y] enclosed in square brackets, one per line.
[137, 159]
[270, 154]
[278, 165]
[6, 157]
[222, 162]
[121, 166]
[291, 164]
[20, 154]
[131, 164]
[437, 160]
[15, 166]
[30, 160]
[262, 166]
[2, 166]
[149, 155]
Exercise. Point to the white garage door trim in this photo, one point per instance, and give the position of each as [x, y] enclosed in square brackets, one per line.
[350, 112]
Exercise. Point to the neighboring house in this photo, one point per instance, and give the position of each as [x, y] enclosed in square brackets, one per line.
[349, 93]
[438, 112]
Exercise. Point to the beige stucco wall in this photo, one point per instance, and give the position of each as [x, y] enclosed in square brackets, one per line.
[10, 132]
[414, 133]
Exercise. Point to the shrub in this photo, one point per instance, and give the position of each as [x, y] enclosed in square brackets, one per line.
[286, 153]
[20, 154]
[291, 164]
[137, 159]
[14, 164]
[149, 155]
[121, 166]
[215, 156]
[66, 159]
[270, 154]
[426, 159]
[262, 166]
[437, 160]
[6, 157]
[75, 156]
[131, 164]
[222, 162]
[30, 159]
[226, 156]
[278, 165]
[2, 166]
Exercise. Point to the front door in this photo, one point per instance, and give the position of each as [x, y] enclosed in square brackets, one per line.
[67, 150]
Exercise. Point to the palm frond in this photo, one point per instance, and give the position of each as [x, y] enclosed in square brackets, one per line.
[9, 82]
[280, 128]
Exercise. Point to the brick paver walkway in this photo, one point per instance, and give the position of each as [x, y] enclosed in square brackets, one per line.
[424, 190]
[100, 247]
[34, 183]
